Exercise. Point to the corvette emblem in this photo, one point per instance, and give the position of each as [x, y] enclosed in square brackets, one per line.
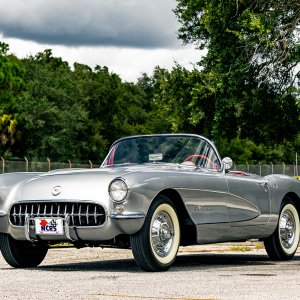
[56, 190]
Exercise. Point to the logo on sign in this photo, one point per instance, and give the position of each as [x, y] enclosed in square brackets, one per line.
[56, 190]
[48, 226]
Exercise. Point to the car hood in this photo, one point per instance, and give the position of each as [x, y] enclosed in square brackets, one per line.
[83, 184]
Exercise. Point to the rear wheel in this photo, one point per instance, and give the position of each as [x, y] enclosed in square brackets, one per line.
[156, 245]
[283, 243]
[21, 254]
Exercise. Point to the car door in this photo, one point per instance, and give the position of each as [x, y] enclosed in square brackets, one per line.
[248, 199]
[206, 199]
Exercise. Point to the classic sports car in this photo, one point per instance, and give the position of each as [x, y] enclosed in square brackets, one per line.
[152, 194]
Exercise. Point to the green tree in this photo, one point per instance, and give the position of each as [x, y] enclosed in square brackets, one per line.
[11, 75]
[259, 34]
[159, 119]
[252, 58]
[185, 99]
[75, 114]
[11, 83]
[49, 114]
[115, 108]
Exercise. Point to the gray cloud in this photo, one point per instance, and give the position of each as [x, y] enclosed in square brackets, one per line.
[126, 23]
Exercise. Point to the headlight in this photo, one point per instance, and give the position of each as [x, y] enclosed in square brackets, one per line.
[118, 190]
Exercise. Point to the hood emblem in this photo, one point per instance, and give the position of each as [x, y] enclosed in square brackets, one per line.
[56, 190]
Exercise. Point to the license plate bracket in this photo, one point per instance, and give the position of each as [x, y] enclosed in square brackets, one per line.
[49, 226]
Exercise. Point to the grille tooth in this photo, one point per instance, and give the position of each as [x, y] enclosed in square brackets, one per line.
[14, 215]
[81, 214]
[87, 215]
[72, 214]
[20, 215]
[95, 214]
[26, 207]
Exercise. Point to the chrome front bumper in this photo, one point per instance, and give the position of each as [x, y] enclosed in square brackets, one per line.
[114, 226]
[33, 238]
[90, 224]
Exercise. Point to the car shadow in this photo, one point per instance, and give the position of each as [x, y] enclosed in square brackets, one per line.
[186, 262]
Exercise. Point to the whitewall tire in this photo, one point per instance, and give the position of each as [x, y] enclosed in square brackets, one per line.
[283, 243]
[156, 245]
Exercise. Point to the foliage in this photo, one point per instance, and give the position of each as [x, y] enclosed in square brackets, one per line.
[11, 75]
[252, 63]
[72, 114]
[50, 117]
[11, 82]
[245, 150]
[260, 36]
[185, 98]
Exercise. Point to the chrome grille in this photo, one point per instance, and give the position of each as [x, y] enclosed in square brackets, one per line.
[80, 214]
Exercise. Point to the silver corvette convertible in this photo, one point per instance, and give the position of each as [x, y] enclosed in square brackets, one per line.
[152, 193]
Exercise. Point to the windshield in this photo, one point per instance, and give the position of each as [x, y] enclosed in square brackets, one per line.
[190, 150]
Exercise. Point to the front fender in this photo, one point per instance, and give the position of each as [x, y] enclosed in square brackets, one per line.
[9, 184]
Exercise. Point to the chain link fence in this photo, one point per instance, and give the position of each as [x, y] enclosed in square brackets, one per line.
[9, 166]
[35, 166]
[263, 170]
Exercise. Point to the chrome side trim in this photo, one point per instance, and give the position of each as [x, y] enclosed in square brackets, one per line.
[220, 192]
[128, 216]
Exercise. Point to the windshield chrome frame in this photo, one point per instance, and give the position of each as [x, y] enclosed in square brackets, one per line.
[165, 135]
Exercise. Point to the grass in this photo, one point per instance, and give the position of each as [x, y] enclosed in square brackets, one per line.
[240, 248]
[61, 245]
[259, 245]
[247, 247]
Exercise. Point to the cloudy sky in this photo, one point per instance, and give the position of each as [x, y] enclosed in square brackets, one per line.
[128, 36]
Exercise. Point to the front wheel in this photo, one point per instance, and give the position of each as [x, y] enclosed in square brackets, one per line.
[283, 243]
[21, 254]
[156, 245]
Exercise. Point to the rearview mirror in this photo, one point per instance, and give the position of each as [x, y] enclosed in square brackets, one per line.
[227, 163]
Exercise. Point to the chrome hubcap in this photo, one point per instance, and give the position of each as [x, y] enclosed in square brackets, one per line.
[162, 234]
[287, 229]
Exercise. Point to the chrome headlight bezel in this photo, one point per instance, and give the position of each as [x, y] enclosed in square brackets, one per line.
[118, 190]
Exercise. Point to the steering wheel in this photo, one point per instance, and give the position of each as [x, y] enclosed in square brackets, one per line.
[211, 163]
